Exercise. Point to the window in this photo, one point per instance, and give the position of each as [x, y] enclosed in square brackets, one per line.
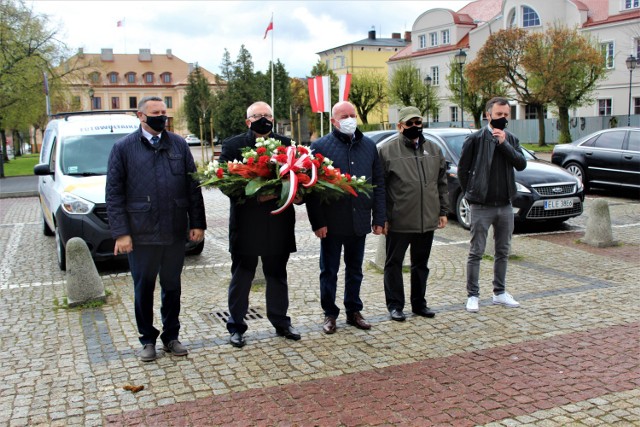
[529, 17]
[637, 49]
[133, 102]
[611, 140]
[97, 103]
[631, 4]
[94, 77]
[512, 19]
[445, 37]
[436, 117]
[113, 77]
[148, 77]
[423, 41]
[604, 107]
[433, 39]
[166, 77]
[607, 53]
[131, 77]
[531, 113]
[435, 76]
[636, 105]
[453, 112]
[115, 102]
[634, 141]
[76, 104]
[168, 101]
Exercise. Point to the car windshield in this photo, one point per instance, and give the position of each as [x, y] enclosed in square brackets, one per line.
[455, 143]
[87, 154]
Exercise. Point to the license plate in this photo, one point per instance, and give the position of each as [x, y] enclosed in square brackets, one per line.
[558, 204]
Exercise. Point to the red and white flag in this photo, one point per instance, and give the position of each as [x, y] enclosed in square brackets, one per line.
[345, 85]
[319, 94]
[269, 28]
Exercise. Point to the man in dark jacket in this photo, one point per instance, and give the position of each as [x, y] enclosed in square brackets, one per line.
[152, 202]
[254, 232]
[417, 204]
[487, 178]
[346, 222]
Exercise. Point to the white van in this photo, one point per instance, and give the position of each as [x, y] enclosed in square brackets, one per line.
[73, 172]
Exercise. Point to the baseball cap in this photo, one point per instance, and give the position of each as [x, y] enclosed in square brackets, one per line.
[407, 113]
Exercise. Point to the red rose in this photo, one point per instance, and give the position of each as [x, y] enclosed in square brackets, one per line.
[220, 173]
[302, 150]
[250, 161]
[261, 151]
[348, 176]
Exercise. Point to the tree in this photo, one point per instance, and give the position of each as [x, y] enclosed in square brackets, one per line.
[478, 89]
[281, 90]
[300, 107]
[501, 59]
[198, 104]
[566, 67]
[406, 88]
[368, 90]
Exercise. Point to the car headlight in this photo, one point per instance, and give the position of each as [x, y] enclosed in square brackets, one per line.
[75, 205]
[521, 188]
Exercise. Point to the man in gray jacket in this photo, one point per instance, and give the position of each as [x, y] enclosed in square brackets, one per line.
[417, 200]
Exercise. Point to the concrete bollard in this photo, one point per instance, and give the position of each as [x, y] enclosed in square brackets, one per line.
[381, 252]
[599, 232]
[83, 281]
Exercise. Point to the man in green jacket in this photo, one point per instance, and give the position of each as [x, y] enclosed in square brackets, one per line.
[417, 201]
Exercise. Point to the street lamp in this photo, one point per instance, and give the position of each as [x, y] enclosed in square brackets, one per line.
[91, 93]
[461, 58]
[427, 82]
[631, 65]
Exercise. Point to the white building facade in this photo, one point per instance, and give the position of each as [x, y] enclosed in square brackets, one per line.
[438, 34]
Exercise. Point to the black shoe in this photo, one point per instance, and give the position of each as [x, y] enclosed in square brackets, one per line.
[398, 315]
[289, 333]
[237, 340]
[425, 312]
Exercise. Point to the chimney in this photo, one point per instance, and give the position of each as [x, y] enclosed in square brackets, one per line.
[395, 35]
[169, 54]
[80, 52]
[191, 67]
[144, 55]
[372, 34]
[106, 55]
[407, 36]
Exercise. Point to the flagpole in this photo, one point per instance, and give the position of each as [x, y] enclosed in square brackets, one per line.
[273, 108]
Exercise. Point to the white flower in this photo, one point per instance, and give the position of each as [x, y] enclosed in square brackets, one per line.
[329, 167]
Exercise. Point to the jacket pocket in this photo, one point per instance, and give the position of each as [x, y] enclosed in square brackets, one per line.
[176, 163]
[140, 216]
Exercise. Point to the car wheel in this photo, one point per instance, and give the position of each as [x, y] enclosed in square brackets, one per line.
[576, 170]
[463, 213]
[197, 249]
[45, 228]
[60, 251]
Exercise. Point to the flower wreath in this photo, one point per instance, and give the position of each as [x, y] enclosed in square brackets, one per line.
[271, 168]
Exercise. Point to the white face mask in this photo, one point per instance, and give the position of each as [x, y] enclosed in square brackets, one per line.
[348, 125]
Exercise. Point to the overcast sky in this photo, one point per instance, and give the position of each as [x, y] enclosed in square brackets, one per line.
[199, 31]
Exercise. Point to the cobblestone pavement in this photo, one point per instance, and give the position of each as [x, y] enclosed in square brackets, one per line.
[568, 356]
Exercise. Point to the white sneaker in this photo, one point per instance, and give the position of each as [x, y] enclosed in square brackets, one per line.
[472, 304]
[505, 299]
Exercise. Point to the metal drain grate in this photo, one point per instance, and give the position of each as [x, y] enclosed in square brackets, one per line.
[223, 316]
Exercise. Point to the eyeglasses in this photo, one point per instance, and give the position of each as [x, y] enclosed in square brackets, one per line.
[259, 116]
[410, 123]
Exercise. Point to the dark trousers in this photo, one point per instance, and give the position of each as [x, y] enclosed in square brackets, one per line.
[146, 263]
[330, 251]
[243, 270]
[396, 246]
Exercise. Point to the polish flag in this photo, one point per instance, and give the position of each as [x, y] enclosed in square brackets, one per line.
[345, 85]
[269, 28]
[319, 94]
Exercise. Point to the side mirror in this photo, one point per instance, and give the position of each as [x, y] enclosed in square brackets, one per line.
[42, 169]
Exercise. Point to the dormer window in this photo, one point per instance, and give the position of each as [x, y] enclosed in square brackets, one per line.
[165, 77]
[131, 77]
[631, 4]
[148, 77]
[94, 77]
[113, 77]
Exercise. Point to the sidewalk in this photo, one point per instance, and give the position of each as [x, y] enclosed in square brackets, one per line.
[568, 356]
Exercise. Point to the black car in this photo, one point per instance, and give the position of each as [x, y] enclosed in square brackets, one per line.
[607, 158]
[545, 192]
[378, 135]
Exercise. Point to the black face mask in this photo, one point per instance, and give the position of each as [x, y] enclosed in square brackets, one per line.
[413, 132]
[262, 126]
[500, 123]
[156, 123]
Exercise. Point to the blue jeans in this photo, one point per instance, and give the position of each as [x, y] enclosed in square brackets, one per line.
[482, 217]
[330, 251]
[146, 262]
